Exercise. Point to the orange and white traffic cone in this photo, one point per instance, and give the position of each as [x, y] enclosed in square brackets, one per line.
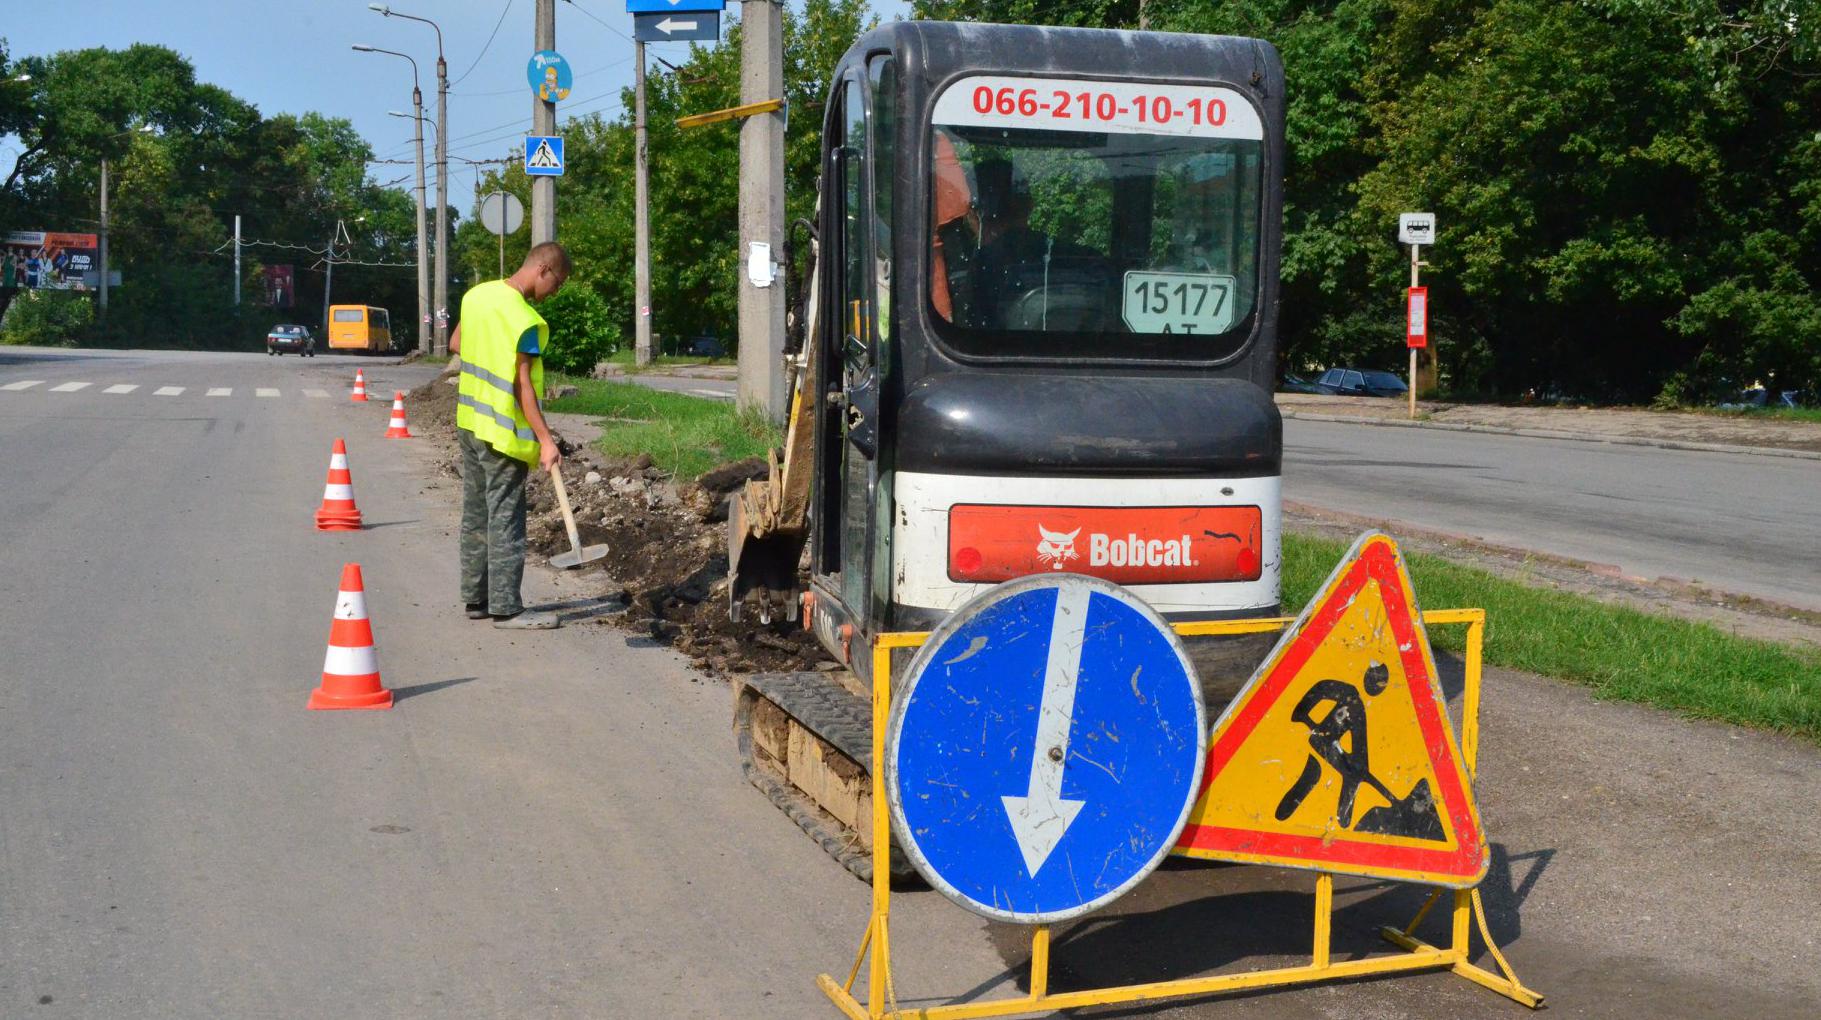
[338, 512]
[350, 671]
[360, 388]
[396, 428]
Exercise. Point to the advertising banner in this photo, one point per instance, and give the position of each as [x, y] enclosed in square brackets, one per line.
[40, 260]
[281, 286]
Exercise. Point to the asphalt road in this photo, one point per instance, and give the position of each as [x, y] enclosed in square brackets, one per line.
[1740, 522]
[554, 825]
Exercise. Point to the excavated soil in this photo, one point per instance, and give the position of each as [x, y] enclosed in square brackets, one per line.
[667, 546]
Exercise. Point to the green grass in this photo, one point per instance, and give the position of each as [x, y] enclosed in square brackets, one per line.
[684, 435]
[1620, 653]
[624, 359]
[1771, 413]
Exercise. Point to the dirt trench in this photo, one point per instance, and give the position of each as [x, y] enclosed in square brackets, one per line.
[667, 546]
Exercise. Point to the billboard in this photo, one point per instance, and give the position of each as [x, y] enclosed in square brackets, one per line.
[281, 286]
[49, 261]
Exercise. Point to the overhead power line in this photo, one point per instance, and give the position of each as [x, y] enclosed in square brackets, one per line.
[495, 33]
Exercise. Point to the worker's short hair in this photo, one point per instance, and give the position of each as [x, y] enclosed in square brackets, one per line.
[550, 254]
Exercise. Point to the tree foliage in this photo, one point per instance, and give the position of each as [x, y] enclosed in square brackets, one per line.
[184, 157]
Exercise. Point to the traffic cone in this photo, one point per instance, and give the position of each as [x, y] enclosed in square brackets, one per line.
[360, 388]
[350, 671]
[338, 512]
[396, 428]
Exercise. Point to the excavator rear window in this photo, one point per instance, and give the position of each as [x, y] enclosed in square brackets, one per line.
[1096, 220]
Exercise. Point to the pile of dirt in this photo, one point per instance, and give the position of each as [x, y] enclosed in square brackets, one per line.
[667, 547]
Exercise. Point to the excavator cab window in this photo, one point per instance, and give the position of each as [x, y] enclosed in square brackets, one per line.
[1094, 220]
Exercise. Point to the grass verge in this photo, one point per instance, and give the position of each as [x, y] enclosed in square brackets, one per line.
[625, 360]
[1693, 668]
[684, 435]
[1619, 653]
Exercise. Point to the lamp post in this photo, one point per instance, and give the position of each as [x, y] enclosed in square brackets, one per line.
[424, 342]
[101, 295]
[442, 177]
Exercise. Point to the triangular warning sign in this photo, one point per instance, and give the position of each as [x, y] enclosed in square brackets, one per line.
[544, 157]
[1338, 754]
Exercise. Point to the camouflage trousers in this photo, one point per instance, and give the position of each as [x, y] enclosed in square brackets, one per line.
[493, 526]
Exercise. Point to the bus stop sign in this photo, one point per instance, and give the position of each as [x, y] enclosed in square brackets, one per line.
[1044, 749]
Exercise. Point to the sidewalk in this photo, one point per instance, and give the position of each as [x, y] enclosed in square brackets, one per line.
[1680, 430]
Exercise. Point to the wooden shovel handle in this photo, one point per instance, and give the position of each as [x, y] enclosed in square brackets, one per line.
[562, 500]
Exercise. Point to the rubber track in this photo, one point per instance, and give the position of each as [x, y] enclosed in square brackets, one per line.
[841, 719]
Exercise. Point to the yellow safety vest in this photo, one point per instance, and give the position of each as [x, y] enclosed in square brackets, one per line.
[494, 316]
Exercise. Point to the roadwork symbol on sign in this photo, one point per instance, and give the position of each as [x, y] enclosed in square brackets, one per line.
[544, 155]
[1338, 754]
[1044, 749]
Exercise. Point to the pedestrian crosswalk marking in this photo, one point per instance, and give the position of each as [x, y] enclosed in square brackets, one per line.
[121, 388]
[23, 384]
[264, 391]
[167, 391]
[221, 391]
[319, 394]
[70, 387]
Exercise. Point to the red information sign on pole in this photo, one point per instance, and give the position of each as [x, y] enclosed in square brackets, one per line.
[1417, 331]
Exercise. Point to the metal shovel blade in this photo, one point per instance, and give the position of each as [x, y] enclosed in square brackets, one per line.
[576, 557]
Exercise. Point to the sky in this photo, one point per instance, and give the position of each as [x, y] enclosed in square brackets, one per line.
[291, 56]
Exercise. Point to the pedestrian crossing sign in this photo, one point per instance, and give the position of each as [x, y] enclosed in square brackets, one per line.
[1338, 754]
[544, 155]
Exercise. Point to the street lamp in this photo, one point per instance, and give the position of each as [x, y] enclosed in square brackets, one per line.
[424, 334]
[442, 175]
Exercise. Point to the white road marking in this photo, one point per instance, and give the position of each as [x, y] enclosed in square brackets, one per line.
[121, 388]
[221, 391]
[265, 391]
[319, 394]
[23, 384]
[167, 391]
[70, 387]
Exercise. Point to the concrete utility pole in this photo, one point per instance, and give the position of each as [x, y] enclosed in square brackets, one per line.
[425, 334]
[442, 198]
[236, 260]
[641, 219]
[543, 122]
[761, 210]
[328, 279]
[101, 298]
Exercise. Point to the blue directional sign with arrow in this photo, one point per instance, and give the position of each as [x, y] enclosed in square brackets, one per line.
[671, 6]
[697, 26]
[1045, 748]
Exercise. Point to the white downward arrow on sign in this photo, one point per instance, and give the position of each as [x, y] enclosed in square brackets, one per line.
[1041, 816]
[668, 26]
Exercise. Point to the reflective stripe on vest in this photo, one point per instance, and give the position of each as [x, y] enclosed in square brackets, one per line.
[494, 317]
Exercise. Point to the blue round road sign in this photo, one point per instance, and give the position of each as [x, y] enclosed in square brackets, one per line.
[549, 75]
[1045, 748]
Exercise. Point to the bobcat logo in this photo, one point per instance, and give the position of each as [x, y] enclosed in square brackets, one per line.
[1056, 548]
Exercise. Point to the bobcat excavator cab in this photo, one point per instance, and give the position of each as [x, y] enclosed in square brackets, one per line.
[1040, 336]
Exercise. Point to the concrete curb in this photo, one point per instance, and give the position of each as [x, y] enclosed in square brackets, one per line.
[1579, 437]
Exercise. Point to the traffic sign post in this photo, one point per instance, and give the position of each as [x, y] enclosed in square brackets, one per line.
[1416, 229]
[544, 155]
[673, 6]
[502, 213]
[1044, 749]
[699, 26]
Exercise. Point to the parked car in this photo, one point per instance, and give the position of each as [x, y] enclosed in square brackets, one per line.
[1360, 382]
[1294, 383]
[297, 339]
[705, 347]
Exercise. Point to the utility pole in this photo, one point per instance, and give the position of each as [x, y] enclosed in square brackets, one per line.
[328, 279]
[236, 260]
[761, 210]
[425, 331]
[641, 218]
[543, 122]
[101, 304]
[442, 198]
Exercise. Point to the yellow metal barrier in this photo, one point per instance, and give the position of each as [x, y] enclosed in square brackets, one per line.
[875, 944]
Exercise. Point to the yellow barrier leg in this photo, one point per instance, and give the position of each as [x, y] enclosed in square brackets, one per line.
[1040, 962]
[1324, 918]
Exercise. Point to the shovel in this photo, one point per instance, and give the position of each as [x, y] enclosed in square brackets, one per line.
[576, 556]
